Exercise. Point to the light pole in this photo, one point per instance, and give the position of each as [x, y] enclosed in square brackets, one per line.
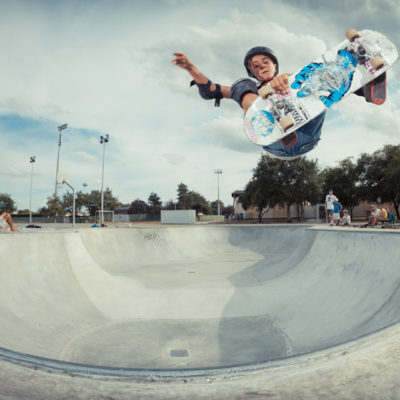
[60, 129]
[32, 161]
[85, 185]
[103, 140]
[218, 172]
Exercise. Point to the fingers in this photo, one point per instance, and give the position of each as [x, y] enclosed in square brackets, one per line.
[181, 60]
[178, 56]
[281, 84]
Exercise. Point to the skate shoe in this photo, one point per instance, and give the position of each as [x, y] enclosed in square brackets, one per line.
[375, 91]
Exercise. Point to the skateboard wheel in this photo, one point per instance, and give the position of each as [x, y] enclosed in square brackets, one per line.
[377, 62]
[265, 91]
[352, 34]
[286, 123]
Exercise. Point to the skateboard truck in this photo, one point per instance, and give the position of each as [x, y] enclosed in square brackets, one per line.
[279, 108]
[363, 54]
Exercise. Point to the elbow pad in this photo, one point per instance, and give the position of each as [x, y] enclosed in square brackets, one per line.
[241, 87]
[207, 94]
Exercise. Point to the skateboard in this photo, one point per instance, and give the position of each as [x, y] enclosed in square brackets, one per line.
[350, 65]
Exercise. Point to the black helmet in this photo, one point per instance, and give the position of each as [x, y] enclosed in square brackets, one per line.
[260, 50]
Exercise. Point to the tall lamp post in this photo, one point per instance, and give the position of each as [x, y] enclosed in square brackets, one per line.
[218, 172]
[60, 129]
[103, 140]
[32, 161]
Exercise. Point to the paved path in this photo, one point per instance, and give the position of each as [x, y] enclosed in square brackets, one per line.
[221, 311]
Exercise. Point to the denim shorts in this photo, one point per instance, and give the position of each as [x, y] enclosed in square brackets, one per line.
[308, 138]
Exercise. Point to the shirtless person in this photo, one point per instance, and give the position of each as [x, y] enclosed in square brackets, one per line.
[6, 221]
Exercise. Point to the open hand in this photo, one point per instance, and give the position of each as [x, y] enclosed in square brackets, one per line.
[181, 60]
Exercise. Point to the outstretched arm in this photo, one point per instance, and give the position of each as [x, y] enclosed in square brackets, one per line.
[181, 60]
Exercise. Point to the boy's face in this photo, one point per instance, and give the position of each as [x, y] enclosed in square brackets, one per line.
[262, 67]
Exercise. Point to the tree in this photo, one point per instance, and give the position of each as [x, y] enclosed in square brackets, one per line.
[24, 212]
[214, 207]
[301, 181]
[263, 188]
[82, 200]
[282, 182]
[189, 200]
[7, 203]
[111, 203]
[391, 180]
[169, 205]
[66, 202]
[54, 207]
[344, 180]
[183, 197]
[138, 207]
[154, 204]
[379, 176]
[92, 201]
[199, 203]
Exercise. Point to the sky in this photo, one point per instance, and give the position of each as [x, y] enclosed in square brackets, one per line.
[104, 67]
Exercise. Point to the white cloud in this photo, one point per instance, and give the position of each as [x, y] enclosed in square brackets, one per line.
[87, 157]
[174, 159]
[224, 132]
[107, 69]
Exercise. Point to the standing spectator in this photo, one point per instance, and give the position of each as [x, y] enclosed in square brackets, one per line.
[337, 208]
[329, 200]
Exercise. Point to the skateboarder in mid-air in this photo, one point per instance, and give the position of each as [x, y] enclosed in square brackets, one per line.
[262, 64]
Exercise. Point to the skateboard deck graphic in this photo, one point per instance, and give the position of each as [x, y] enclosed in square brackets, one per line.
[350, 65]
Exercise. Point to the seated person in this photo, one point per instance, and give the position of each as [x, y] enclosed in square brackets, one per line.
[6, 222]
[376, 215]
[392, 218]
[384, 212]
[345, 220]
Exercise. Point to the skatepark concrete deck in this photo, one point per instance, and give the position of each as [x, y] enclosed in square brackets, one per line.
[218, 311]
